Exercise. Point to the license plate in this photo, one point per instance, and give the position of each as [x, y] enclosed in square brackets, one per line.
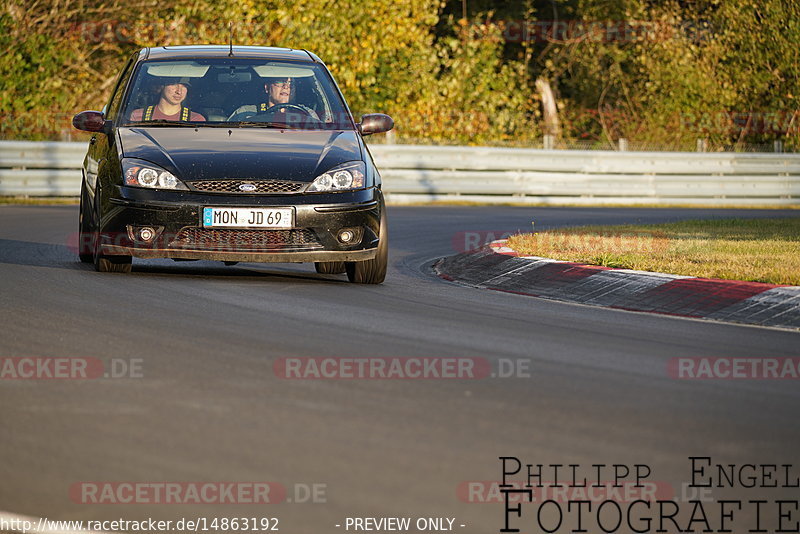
[248, 217]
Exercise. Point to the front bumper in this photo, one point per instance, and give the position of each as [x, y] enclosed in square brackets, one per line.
[254, 257]
[179, 234]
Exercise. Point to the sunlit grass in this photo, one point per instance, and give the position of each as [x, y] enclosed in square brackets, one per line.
[759, 250]
[36, 201]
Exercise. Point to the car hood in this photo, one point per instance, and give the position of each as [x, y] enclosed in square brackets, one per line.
[241, 153]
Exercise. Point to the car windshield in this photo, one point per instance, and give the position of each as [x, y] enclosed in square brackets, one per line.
[254, 93]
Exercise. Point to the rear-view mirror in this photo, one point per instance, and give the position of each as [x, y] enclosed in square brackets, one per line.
[375, 123]
[89, 121]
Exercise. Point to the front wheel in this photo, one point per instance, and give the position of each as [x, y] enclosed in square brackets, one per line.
[329, 267]
[113, 264]
[84, 229]
[103, 263]
[109, 264]
[372, 271]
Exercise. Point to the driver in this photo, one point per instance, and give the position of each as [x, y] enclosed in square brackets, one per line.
[170, 104]
[279, 91]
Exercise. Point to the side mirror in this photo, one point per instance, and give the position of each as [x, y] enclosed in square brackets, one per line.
[375, 123]
[90, 121]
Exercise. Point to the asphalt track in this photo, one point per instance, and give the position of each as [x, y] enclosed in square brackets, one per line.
[210, 408]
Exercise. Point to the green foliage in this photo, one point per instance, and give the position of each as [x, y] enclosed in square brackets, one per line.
[724, 71]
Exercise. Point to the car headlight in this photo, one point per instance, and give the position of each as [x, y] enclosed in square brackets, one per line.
[343, 177]
[139, 173]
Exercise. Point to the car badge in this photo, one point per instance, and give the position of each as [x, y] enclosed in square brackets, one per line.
[247, 188]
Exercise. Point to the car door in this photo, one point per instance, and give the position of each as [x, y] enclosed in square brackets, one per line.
[102, 146]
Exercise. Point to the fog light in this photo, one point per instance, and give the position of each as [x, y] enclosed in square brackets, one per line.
[350, 236]
[146, 234]
[346, 236]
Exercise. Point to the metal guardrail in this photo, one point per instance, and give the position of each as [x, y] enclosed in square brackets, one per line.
[496, 175]
[40, 169]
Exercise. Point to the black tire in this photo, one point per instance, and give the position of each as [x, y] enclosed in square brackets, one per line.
[372, 271]
[329, 267]
[113, 264]
[84, 229]
[103, 263]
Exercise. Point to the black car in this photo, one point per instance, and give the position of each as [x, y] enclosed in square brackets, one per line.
[232, 154]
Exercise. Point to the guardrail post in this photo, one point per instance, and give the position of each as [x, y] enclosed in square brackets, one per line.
[702, 145]
[549, 141]
[778, 145]
[623, 144]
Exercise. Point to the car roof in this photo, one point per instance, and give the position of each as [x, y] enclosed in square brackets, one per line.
[265, 52]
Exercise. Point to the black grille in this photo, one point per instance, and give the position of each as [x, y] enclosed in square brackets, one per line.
[262, 187]
[235, 239]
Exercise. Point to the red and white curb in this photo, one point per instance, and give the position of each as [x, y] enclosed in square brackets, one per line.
[499, 267]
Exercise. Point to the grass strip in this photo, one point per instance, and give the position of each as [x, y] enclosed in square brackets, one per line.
[757, 250]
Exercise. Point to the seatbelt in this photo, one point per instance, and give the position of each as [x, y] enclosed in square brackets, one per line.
[186, 113]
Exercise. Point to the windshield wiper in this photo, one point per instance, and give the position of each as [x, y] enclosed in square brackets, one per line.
[222, 124]
[162, 122]
[281, 125]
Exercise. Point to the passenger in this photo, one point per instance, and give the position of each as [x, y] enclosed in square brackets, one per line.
[169, 107]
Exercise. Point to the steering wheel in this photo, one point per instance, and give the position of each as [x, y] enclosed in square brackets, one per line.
[277, 108]
[273, 110]
[307, 118]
